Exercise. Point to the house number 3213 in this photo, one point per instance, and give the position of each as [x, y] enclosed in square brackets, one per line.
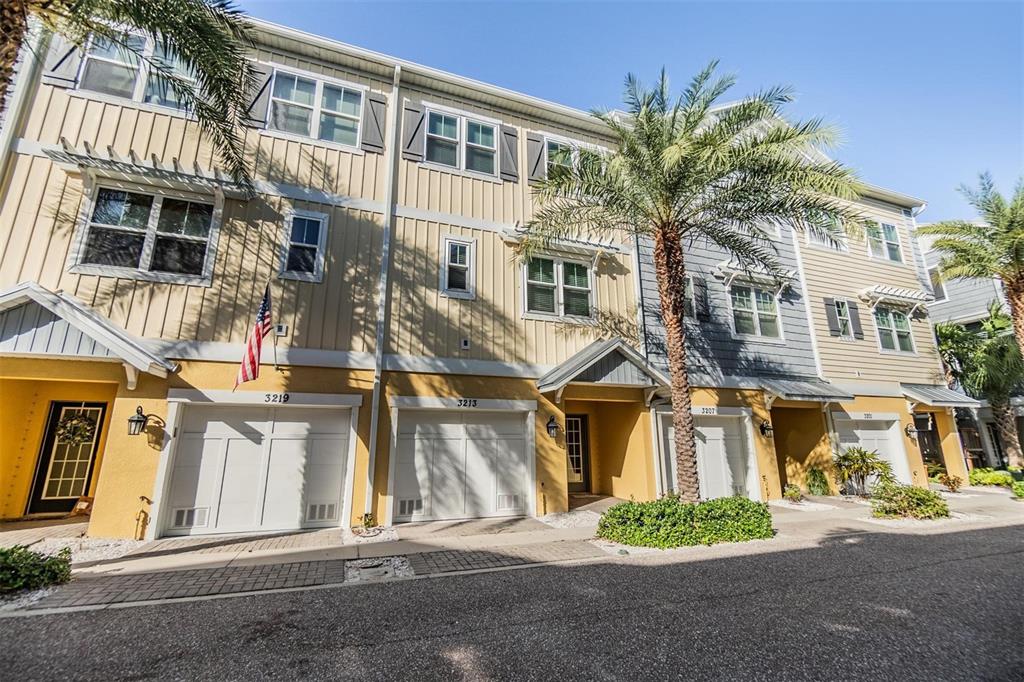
[466, 402]
[276, 397]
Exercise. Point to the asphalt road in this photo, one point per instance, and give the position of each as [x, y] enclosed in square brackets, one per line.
[873, 606]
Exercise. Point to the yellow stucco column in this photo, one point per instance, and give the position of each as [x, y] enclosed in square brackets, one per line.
[949, 441]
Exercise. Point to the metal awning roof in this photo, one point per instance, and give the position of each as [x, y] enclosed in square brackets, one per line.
[814, 390]
[937, 396]
[563, 374]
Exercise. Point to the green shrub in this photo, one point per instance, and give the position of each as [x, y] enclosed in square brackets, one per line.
[817, 482]
[792, 493]
[23, 569]
[988, 476]
[893, 500]
[1018, 489]
[667, 522]
[934, 469]
[856, 466]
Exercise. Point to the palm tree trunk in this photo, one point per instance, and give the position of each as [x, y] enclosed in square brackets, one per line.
[13, 26]
[670, 269]
[1006, 421]
[1015, 296]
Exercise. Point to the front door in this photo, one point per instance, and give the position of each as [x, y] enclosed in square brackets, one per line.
[67, 456]
[928, 439]
[577, 448]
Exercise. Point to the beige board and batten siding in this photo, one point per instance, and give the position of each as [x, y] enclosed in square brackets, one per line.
[837, 274]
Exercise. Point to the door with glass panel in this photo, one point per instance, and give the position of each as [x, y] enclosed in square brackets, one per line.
[577, 449]
[67, 456]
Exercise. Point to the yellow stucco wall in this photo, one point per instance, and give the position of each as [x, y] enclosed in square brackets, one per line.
[801, 443]
[24, 409]
[949, 441]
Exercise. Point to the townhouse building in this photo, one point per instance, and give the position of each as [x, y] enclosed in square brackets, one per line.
[420, 367]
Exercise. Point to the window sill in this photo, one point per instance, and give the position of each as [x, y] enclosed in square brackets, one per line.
[496, 179]
[899, 353]
[302, 139]
[552, 317]
[301, 277]
[127, 102]
[460, 295]
[755, 338]
[140, 275]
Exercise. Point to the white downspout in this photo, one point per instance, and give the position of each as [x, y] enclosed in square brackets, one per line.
[382, 286]
[25, 78]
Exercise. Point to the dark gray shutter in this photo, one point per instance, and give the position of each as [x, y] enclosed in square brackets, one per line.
[259, 104]
[536, 167]
[858, 331]
[833, 317]
[373, 123]
[700, 297]
[62, 63]
[413, 131]
[509, 154]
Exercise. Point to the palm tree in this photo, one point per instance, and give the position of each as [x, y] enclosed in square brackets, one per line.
[685, 169]
[210, 37]
[993, 247]
[988, 366]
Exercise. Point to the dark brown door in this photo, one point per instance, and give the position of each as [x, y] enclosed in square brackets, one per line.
[64, 467]
[577, 450]
[928, 439]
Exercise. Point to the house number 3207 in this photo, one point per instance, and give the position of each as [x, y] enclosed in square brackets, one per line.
[276, 397]
[466, 402]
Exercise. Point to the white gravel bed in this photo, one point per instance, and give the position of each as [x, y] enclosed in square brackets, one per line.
[370, 570]
[21, 600]
[85, 550]
[955, 517]
[801, 506]
[368, 535]
[955, 496]
[581, 518]
[619, 549]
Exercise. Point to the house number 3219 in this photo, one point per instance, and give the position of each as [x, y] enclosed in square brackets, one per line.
[276, 397]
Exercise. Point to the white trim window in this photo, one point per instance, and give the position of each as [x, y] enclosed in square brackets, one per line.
[458, 269]
[315, 108]
[689, 298]
[843, 317]
[815, 238]
[302, 253]
[755, 312]
[558, 154]
[558, 288]
[461, 141]
[894, 334]
[163, 237]
[938, 286]
[121, 70]
[884, 242]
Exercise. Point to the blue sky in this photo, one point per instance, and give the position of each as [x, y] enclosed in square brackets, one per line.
[927, 94]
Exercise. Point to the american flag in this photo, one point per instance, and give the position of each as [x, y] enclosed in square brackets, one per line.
[250, 367]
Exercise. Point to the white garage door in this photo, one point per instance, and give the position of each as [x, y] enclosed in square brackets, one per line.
[875, 435]
[723, 458]
[239, 469]
[459, 465]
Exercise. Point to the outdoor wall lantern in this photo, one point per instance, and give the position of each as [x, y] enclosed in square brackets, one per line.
[137, 422]
[766, 428]
[910, 430]
[552, 427]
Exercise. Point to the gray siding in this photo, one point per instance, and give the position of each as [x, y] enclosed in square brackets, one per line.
[31, 328]
[714, 351]
[967, 300]
[615, 368]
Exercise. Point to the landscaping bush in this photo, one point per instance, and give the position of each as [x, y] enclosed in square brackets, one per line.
[23, 569]
[817, 482]
[856, 466]
[667, 522]
[988, 476]
[893, 500]
[792, 493]
[1018, 489]
[934, 469]
[952, 483]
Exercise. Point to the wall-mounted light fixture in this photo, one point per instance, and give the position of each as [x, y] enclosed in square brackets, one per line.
[765, 428]
[910, 430]
[552, 427]
[137, 422]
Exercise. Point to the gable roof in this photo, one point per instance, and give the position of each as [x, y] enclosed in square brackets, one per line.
[576, 366]
[118, 342]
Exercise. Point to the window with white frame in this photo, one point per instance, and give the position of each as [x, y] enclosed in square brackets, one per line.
[938, 286]
[462, 142]
[884, 242]
[302, 257]
[148, 233]
[314, 108]
[843, 317]
[122, 68]
[457, 271]
[559, 156]
[557, 287]
[894, 330]
[818, 238]
[689, 298]
[755, 312]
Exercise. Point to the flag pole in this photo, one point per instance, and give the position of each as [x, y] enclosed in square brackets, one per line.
[274, 324]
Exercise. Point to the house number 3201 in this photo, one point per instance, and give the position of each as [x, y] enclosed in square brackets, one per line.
[276, 397]
[466, 402]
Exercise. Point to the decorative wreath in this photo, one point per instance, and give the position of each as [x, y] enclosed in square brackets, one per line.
[76, 429]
